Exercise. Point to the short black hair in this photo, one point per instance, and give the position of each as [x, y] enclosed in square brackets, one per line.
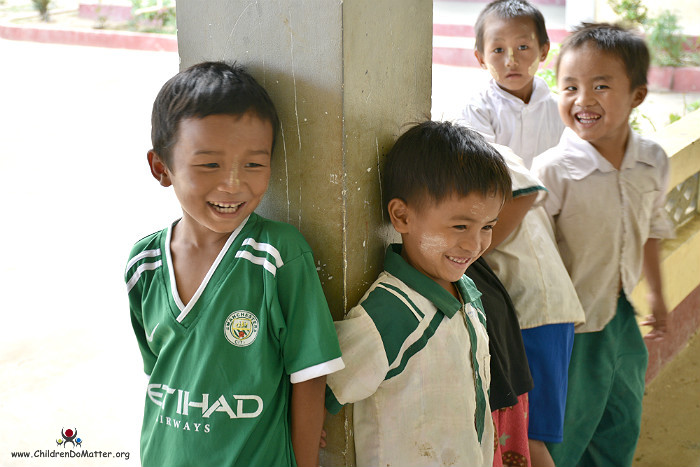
[510, 9]
[629, 47]
[435, 160]
[208, 88]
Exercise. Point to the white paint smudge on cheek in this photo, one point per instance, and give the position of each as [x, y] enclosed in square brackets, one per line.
[532, 69]
[432, 243]
[511, 55]
[493, 72]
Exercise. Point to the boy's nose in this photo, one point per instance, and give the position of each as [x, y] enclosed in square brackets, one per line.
[510, 57]
[471, 243]
[584, 98]
[231, 180]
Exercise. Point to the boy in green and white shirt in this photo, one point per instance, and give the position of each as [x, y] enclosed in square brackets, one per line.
[227, 307]
[416, 347]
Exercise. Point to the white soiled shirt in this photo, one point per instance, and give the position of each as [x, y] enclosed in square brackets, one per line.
[603, 216]
[528, 263]
[418, 373]
[528, 129]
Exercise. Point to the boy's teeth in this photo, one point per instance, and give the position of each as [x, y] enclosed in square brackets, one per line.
[458, 260]
[587, 118]
[226, 207]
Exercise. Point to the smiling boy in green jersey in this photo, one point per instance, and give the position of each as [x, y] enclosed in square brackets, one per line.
[227, 306]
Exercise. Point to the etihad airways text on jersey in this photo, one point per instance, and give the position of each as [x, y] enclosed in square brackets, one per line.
[242, 405]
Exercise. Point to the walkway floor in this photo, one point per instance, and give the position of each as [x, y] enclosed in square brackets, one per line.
[671, 419]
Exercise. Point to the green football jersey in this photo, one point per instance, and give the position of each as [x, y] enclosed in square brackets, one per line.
[221, 366]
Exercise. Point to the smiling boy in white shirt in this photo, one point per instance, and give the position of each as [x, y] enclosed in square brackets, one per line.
[607, 189]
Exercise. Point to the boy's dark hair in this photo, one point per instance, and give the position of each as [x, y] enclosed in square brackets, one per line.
[615, 40]
[208, 88]
[510, 9]
[434, 160]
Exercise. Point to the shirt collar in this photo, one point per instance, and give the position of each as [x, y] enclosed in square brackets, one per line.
[582, 159]
[395, 265]
[540, 91]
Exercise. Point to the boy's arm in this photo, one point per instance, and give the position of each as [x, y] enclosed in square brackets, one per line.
[307, 412]
[652, 272]
[511, 216]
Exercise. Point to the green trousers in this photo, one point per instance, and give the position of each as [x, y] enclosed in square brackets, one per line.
[604, 399]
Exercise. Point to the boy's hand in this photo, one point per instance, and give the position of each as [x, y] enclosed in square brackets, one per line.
[322, 443]
[657, 319]
[652, 272]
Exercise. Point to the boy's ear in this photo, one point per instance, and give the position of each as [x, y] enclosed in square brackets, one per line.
[398, 213]
[544, 50]
[639, 94]
[158, 169]
[480, 59]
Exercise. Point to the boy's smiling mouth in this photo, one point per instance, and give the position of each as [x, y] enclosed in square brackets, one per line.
[587, 118]
[226, 208]
[458, 260]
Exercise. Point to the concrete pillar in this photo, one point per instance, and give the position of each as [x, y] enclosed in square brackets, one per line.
[346, 77]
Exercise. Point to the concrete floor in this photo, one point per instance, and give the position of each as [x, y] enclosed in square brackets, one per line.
[670, 434]
[75, 193]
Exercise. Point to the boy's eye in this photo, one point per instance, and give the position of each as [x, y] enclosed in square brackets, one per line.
[602, 86]
[253, 165]
[210, 165]
[523, 47]
[488, 227]
[498, 50]
[460, 227]
[570, 88]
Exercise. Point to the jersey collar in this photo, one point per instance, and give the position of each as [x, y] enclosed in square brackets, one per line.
[395, 265]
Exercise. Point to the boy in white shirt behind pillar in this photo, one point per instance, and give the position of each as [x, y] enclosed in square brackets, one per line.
[516, 109]
[607, 189]
[415, 347]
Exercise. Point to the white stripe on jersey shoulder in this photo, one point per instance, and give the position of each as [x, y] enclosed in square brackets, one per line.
[137, 274]
[403, 300]
[261, 260]
[257, 260]
[267, 248]
[185, 309]
[142, 255]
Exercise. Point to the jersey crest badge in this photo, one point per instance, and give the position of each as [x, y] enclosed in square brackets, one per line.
[241, 328]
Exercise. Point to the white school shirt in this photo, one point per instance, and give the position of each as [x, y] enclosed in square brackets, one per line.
[528, 263]
[528, 129]
[603, 216]
[418, 372]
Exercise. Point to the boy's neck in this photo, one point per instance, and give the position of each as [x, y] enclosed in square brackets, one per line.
[524, 94]
[193, 256]
[614, 150]
[191, 237]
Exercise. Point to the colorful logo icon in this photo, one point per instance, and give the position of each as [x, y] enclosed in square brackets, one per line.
[69, 436]
[241, 328]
